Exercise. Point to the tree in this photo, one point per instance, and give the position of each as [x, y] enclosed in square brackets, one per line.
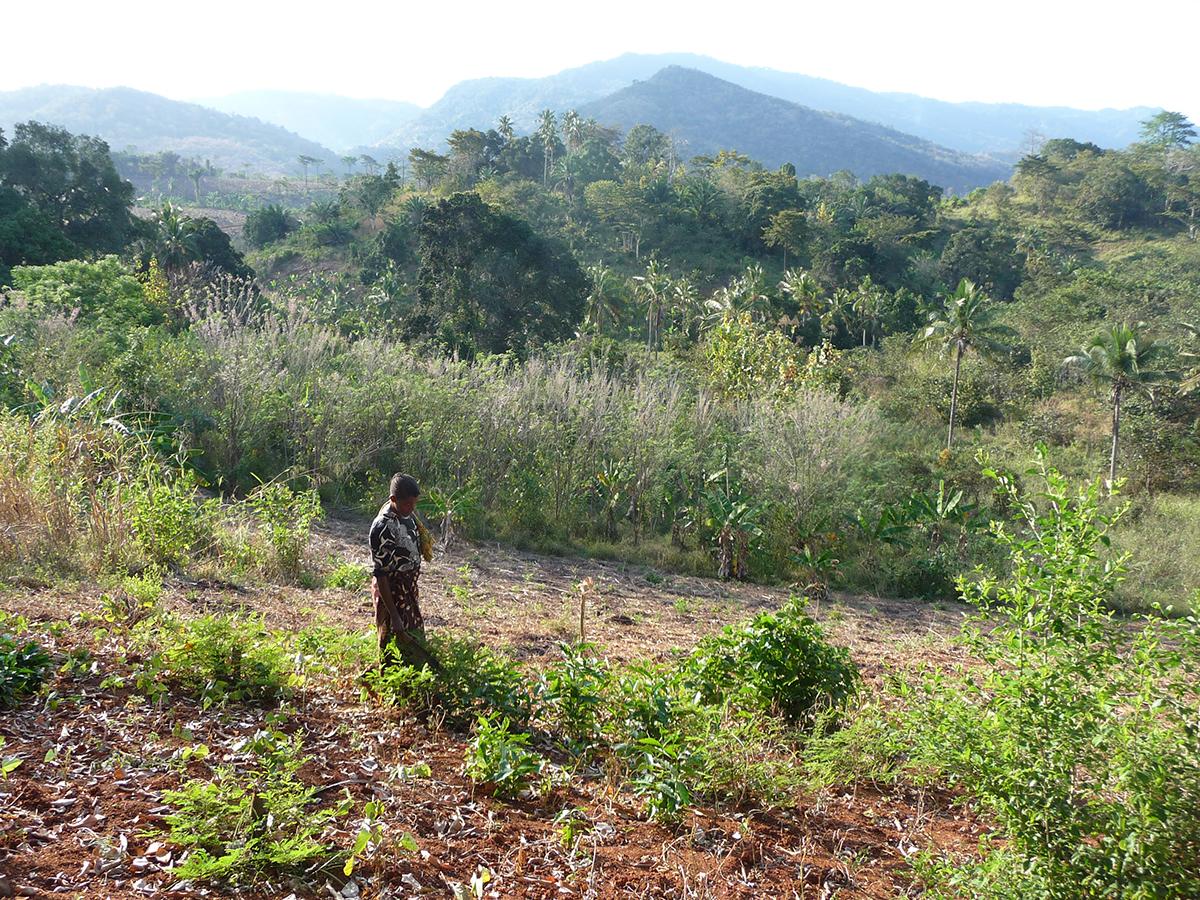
[786, 230]
[488, 283]
[966, 321]
[1124, 359]
[174, 241]
[547, 132]
[72, 182]
[266, 225]
[306, 161]
[1168, 130]
[428, 167]
[505, 127]
[603, 299]
[652, 290]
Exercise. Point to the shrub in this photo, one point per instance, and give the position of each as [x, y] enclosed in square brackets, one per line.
[500, 758]
[1080, 732]
[23, 668]
[170, 523]
[286, 518]
[777, 661]
[216, 658]
[242, 826]
[473, 681]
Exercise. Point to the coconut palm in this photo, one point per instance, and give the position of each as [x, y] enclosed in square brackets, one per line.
[603, 303]
[505, 127]
[965, 322]
[652, 291]
[1125, 360]
[547, 131]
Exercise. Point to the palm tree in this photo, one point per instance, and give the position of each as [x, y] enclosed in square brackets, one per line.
[1124, 359]
[867, 306]
[966, 321]
[174, 238]
[805, 292]
[548, 132]
[572, 127]
[602, 301]
[505, 127]
[652, 289]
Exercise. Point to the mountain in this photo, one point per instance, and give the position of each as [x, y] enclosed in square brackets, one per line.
[995, 128]
[705, 114]
[129, 119]
[339, 123]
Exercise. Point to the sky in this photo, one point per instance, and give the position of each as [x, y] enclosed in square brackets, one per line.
[1051, 52]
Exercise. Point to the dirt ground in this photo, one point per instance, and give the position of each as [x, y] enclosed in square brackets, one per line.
[79, 816]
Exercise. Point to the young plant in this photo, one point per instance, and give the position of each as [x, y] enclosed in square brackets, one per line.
[286, 518]
[500, 758]
[242, 826]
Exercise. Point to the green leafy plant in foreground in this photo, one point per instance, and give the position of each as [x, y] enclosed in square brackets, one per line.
[215, 658]
[23, 668]
[241, 826]
[1080, 734]
[499, 757]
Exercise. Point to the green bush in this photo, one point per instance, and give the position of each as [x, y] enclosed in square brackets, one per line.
[216, 658]
[23, 668]
[1079, 732]
[242, 826]
[500, 758]
[777, 661]
[286, 518]
[473, 681]
[170, 521]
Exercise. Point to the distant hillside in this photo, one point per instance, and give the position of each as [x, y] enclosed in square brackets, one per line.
[705, 114]
[993, 128]
[339, 123]
[148, 123]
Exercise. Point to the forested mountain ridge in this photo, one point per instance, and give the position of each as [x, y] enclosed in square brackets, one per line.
[705, 114]
[125, 118]
[997, 128]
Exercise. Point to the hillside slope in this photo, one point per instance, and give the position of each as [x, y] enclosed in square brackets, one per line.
[705, 114]
[148, 123]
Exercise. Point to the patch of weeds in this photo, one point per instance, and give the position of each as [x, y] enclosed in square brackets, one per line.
[243, 826]
[215, 658]
[349, 576]
[327, 650]
[23, 668]
[686, 606]
[500, 758]
[662, 771]
[474, 680]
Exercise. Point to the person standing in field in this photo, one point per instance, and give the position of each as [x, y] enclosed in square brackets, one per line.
[398, 543]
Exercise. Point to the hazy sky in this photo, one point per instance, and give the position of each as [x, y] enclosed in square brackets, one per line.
[1047, 52]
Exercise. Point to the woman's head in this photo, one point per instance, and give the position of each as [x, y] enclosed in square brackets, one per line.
[404, 493]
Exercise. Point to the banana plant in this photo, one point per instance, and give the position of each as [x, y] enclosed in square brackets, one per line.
[732, 521]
